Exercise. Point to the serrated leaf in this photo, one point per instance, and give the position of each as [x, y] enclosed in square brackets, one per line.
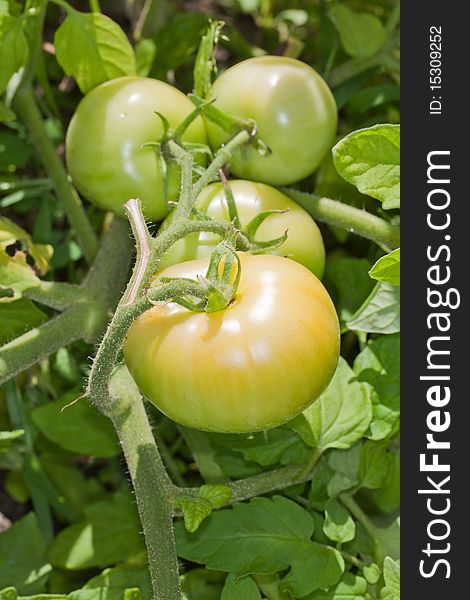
[92, 48]
[387, 497]
[23, 557]
[339, 526]
[267, 448]
[391, 591]
[235, 589]
[362, 35]
[340, 416]
[18, 317]
[380, 312]
[110, 534]
[216, 495]
[13, 48]
[345, 465]
[370, 160]
[195, 510]
[378, 365]
[78, 428]
[375, 462]
[264, 536]
[387, 268]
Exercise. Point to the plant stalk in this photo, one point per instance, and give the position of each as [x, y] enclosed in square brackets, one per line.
[153, 489]
[359, 222]
[26, 108]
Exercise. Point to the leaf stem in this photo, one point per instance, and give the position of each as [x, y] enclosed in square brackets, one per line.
[359, 514]
[26, 108]
[359, 222]
[57, 295]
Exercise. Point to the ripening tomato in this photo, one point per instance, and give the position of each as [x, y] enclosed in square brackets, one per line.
[304, 242]
[104, 142]
[294, 110]
[249, 367]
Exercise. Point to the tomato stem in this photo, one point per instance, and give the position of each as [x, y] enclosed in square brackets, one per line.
[153, 488]
[357, 221]
[26, 108]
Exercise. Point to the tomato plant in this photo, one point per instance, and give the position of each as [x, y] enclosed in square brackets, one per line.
[209, 406]
[249, 367]
[105, 143]
[304, 242]
[292, 107]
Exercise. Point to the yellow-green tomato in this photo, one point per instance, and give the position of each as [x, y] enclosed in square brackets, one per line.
[252, 366]
[104, 142]
[294, 110]
[304, 242]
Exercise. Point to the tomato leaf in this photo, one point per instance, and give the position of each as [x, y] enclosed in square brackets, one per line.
[23, 556]
[341, 415]
[349, 283]
[78, 427]
[13, 48]
[370, 160]
[339, 525]
[391, 591]
[362, 35]
[16, 274]
[110, 534]
[387, 268]
[378, 366]
[264, 536]
[245, 588]
[93, 48]
[6, 114]
[380, 312]
[351, 587]
[18, 317]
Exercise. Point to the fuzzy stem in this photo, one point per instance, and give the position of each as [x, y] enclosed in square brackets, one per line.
[223, 156]
[153, 489]
[57, 295]
[347, 217]
[26, 108]
[28, 349]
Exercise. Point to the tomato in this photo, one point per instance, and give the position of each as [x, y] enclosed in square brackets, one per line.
[294, 110]
[304, 242]
[252, 366]
[104, 143]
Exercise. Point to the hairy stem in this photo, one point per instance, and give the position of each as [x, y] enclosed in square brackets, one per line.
[153, 488]
[347, 217]
[28, 349]
[57, 295]
[26, 108]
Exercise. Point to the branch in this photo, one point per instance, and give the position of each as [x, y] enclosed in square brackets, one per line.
[153, 488]
[38, 343]
[348, 217]
[26, 108]
[57, 295]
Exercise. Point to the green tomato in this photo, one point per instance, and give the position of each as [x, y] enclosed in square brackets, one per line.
[104, 142]
[304, 242]
[249, 367]
[295, 114]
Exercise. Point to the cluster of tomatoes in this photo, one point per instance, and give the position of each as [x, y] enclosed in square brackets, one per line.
[274, 349]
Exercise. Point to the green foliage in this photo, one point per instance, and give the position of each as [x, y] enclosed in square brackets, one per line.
[264, 536]
[320, 539]
[370, 159]
[93, 48]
